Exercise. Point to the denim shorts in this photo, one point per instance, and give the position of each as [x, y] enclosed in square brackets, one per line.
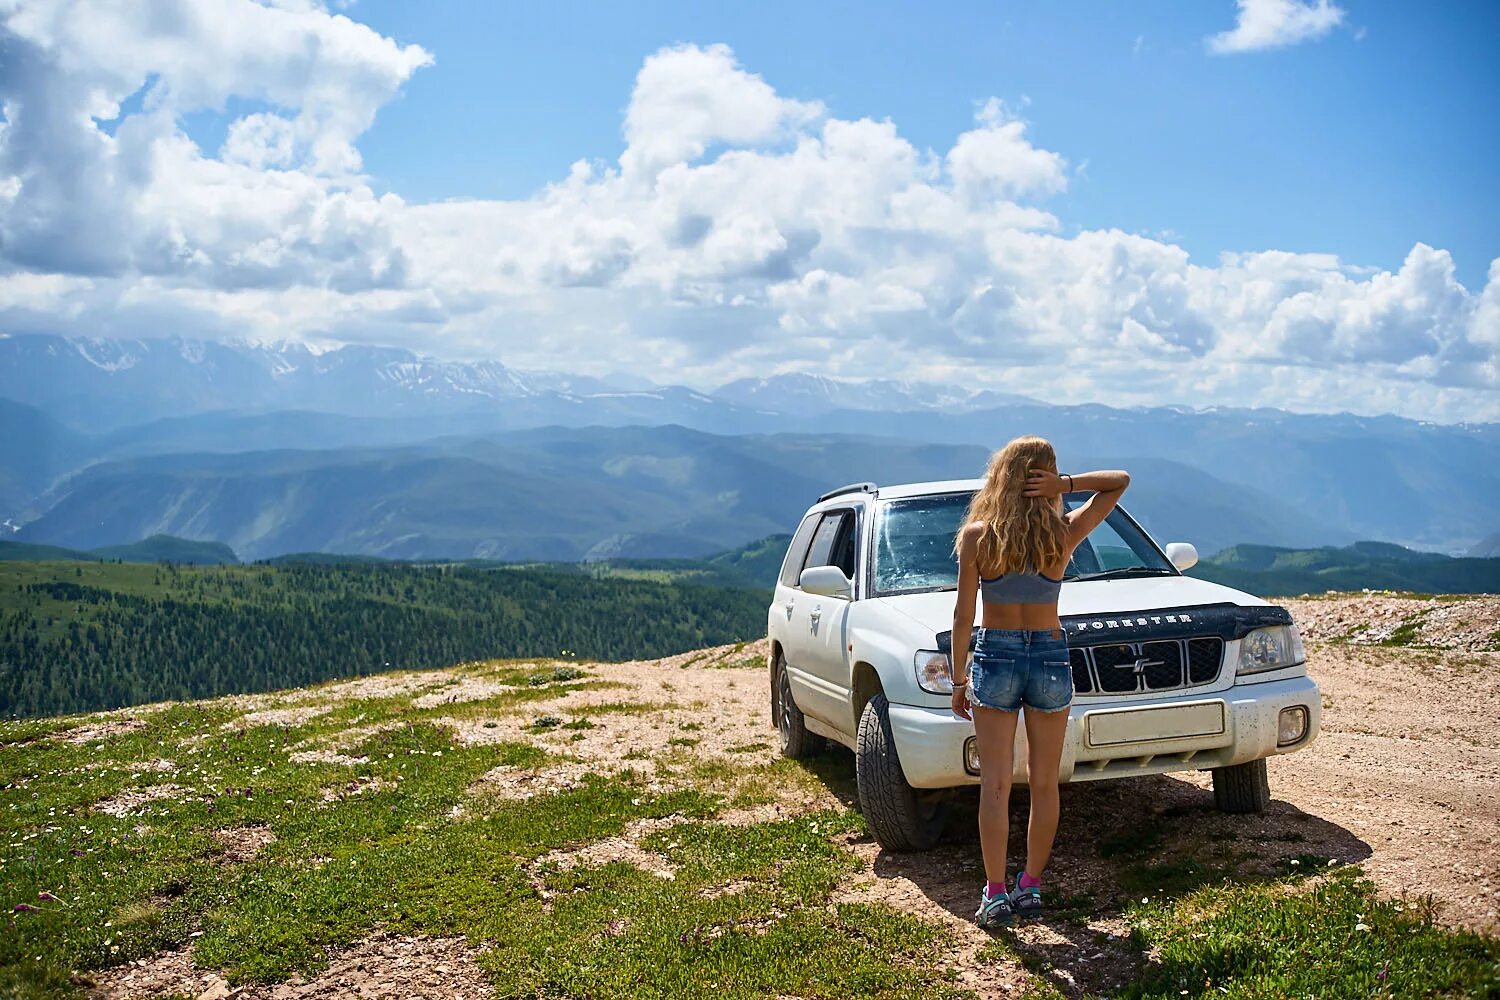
[1015, 667]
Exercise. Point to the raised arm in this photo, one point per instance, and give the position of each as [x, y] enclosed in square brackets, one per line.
[1106, 486]
[963, 613]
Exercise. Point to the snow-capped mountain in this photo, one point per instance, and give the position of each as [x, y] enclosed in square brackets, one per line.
[97, 383]
[810, 395]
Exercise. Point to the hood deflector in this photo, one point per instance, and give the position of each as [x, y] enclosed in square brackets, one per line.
[1227, 621]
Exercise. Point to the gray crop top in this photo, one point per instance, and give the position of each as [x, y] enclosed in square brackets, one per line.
[1020, 588]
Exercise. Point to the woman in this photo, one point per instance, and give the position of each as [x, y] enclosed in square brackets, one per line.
[1013, 549]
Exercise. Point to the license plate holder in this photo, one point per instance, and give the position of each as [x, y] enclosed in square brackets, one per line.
[1113, 727]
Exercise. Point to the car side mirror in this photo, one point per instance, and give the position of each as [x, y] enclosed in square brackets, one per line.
[1183, 555]
[826, 581]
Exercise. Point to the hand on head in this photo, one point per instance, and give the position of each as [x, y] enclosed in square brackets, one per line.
[1043, 483]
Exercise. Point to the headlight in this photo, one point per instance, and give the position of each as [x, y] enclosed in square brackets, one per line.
[932, 671]
[1269, 649]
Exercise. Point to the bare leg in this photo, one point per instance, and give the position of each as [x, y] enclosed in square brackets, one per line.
[1045, 732]
[996, 731]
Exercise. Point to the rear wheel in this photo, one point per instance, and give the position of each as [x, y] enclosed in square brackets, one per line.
[796, 741]
[1242, 788]
[901, 817]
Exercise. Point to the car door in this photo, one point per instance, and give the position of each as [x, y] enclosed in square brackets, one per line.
[819, 670]
[784, 598]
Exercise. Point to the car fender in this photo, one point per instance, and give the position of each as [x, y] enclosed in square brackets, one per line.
[887, 643]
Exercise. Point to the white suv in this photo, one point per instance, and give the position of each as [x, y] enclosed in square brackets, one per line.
[1170, 673]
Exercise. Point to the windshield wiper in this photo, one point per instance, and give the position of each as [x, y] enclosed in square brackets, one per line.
[1123, 572]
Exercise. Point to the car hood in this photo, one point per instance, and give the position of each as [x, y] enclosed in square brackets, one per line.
[1089, 597]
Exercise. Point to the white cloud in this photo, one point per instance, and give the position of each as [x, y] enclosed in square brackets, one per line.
[739, 232]
[1270, 24]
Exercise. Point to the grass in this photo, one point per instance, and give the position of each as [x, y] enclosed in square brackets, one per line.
[1332, 939]
[419, 851]
[1406, 633]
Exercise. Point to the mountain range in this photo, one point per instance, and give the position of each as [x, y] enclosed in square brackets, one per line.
[279, 448]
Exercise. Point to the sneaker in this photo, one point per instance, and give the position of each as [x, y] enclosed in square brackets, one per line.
[1026, 902]
[994, 911]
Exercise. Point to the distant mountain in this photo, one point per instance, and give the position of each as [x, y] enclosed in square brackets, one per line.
[1487, 548]
[30, 552]
[563, 494]
[1270, 571]
[98, 384]
[84, 401]
[35, 451]
[810, 395]
[165, 548]
[158, 548]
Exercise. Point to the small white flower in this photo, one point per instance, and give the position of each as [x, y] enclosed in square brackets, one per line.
[1361, 926]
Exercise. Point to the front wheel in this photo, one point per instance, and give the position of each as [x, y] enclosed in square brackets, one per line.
[796, 741]
[901, 817]
[1242, 788]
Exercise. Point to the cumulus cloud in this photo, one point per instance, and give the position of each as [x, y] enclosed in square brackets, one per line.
[1271, 24]
[739, 232]
[99, 190]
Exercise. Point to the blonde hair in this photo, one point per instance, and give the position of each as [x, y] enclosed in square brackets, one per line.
[1021, 534]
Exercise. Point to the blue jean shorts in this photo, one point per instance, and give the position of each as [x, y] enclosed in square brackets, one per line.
[1016, 667]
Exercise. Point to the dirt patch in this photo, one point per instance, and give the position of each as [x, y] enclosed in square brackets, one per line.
[520, 783]
[278, 717]
[242, 843]
[95, 731]
[664, 720]
[626, 847]
[385, 965]
[362, 785]
[465, 689]
[326, 757]
[127, 802]
[1452, 623]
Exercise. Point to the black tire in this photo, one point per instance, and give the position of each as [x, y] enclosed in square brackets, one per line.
[1242, 788]
[796, 742]
[900, 817]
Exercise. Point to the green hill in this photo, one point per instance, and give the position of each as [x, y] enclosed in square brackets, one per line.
[31, 552]
[156, 549]
[80, 636]
[1269, 571]
[165, 548]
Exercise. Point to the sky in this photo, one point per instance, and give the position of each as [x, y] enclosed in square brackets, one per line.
[1281, 203]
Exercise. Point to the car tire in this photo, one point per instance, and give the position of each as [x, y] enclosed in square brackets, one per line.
[899, 817]
[796, 741]
[1242, 788]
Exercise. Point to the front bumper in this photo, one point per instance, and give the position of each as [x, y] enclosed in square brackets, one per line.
[930, 741]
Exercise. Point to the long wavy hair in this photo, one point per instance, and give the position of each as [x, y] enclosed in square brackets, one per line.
[1022, 534]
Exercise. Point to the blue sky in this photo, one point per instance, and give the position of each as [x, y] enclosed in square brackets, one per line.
[1383, 133]
[1284, 203]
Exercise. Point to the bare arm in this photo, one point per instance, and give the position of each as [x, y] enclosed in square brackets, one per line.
[963, 614]
[1107, 487]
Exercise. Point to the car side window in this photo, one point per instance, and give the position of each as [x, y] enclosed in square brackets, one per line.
[843, 546]
[796, 553]
[821, 553]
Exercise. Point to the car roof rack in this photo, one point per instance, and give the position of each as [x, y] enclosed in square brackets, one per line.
[850, 488]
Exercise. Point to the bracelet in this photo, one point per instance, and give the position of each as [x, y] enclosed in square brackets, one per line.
[1069, 478]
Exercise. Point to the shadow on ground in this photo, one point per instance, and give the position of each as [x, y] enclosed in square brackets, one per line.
[1118, 842]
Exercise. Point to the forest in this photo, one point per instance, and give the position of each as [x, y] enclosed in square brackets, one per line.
[80, 636]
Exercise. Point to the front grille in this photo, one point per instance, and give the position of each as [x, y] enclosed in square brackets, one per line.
[1142, 667]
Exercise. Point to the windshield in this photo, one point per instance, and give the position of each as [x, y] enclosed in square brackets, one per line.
[914, 545]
